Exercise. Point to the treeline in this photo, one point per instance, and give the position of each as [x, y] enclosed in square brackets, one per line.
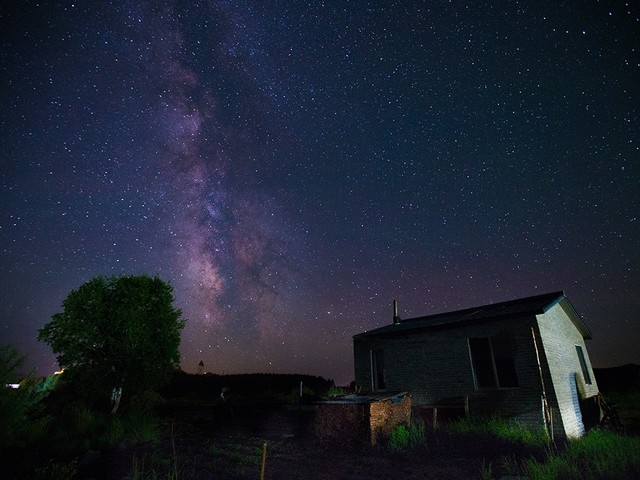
[253, 385]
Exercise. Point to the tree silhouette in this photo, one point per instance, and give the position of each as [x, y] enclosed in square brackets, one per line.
[117, 334]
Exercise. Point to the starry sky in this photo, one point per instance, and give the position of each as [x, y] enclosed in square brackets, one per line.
[291, 167]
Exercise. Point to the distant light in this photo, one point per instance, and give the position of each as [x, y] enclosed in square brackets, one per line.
[58, 372]
[13, 385]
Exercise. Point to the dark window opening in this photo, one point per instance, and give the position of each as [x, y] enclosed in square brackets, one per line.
[377, 370]
[583, 365]
[503, 357]
[492, 362]
[482, 362]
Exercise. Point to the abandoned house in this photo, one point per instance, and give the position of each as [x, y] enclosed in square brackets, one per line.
[525, 359]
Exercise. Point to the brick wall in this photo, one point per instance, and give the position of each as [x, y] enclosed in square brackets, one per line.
[558, 337]
[385, 416]
[343, 423]
[361, 423]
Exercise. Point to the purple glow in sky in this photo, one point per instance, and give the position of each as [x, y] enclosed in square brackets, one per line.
[291, 168]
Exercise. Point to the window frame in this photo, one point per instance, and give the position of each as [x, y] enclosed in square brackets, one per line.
[375, 355]
[496, 380]
[582, 360]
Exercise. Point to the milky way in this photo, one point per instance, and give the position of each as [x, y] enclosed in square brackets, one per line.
[229, 243]
[292, 168]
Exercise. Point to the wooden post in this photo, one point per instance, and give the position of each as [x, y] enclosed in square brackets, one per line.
[264, 460]
[546, 410]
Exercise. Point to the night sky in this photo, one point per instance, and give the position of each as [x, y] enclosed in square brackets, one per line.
[292, 167]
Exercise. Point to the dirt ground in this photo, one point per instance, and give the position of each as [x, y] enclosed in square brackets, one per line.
[207, 443]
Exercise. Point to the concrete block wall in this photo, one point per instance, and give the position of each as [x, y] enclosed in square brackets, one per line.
[559, 336]
[430, 366]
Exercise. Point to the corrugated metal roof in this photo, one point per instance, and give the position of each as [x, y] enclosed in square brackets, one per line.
[514, 308]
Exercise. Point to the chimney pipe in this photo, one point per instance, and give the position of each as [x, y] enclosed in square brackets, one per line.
[396, 318]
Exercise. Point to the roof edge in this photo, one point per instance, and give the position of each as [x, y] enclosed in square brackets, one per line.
[575, 317]
[554, 298]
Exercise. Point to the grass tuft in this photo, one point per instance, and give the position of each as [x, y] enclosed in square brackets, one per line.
[406, 438]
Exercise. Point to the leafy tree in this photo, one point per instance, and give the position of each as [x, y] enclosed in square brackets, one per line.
[117, 334]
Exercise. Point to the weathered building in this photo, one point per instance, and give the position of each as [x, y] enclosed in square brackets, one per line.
[525, 359]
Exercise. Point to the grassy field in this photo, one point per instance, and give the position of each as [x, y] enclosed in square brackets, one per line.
[196, 434]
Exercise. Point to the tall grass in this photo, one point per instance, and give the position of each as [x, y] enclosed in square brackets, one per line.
[600, 454]
[79, 428]
[503, 429]
[141, 425]
[405, 438]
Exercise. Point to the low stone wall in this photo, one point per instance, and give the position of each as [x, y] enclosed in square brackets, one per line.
[342, 424]
[385, 416]
[365, 423]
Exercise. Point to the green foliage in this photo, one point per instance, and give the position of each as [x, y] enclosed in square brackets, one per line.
[334, 391]
[399, 440]
[600, 454]
[502, 428]
[294, 395]
[117, 332]
[405, 438]
[79, 427]
[22, 415]
[555, 466]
